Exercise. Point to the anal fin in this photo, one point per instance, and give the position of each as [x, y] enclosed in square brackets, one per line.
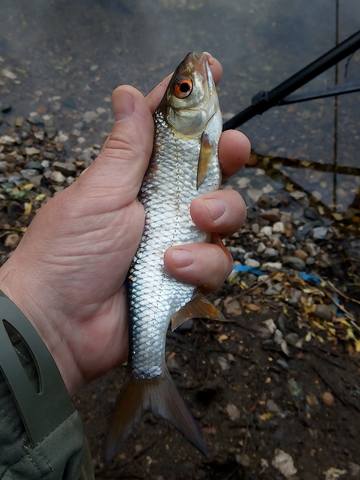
[198, 307]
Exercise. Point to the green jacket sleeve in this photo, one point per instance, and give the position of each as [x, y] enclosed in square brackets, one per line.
[62, 454]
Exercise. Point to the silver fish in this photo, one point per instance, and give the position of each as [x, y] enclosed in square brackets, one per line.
[184, 165]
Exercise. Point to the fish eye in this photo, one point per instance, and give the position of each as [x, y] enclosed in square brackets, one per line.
[183, 88]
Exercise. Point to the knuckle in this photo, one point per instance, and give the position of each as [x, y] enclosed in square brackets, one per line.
[117, 145]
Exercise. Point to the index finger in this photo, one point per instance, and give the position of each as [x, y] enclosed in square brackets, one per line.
[155, 95]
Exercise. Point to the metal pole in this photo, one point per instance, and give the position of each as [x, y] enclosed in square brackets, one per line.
[262, 101]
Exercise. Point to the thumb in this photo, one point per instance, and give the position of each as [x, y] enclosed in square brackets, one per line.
[118, 171]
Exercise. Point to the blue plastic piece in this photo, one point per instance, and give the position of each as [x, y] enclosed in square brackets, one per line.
[310, 277]
[239, 268]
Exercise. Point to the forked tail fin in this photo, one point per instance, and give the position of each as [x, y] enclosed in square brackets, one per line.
[158, 395]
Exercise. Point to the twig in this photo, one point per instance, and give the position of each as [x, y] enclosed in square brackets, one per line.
[342, 294]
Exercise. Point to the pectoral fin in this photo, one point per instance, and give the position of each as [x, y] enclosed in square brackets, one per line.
[198, 307]
[204, 158]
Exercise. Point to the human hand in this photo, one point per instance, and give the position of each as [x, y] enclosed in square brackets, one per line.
[67, 274]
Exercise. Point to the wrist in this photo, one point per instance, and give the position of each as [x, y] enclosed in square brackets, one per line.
[37, 306]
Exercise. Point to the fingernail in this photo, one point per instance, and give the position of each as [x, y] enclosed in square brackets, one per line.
[182, 258]
[125, 105]
[216, 208]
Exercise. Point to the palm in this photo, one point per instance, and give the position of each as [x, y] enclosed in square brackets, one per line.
[87, 256]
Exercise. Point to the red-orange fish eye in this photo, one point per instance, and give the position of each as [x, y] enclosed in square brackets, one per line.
[183, 88]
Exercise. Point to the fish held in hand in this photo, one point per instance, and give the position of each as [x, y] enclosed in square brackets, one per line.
[184, 165]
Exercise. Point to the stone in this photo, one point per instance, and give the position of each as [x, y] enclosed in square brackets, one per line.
[261, 247]
[250, 262]
[293, 339]
[271, 253]
[267, 231]
[243, 182]
[319, 233]
[294, 262]
[7, 140]
[270, 325]
[278, 227]
[334, 473]
[57, 177]
[272, 215]
[323, 311]
[232, 412]
[254, 194]
[271, 266]
[312, 400]
[70, 180]
[28, 173]
[61, 137]
[354, 470]
[295, 388]
[255, 228]
[294, 297]
[243, 460]
[273, 407]
[232, 306]
[12, 240]
[67, 168]
[328, 399]
[89, 116]
[298, 195]
[8, 74]
[49, 155]
[224, 364]
[34, 164]
[30, 151]
[284, 463]
[301, 254]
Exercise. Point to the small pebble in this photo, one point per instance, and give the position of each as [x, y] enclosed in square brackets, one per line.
[12, 240]
[67, 168]
[57, 177]
[261, 247]
[278, 227]
[328, 399]
[250, 262]
[272, 215]
[271, 266]
[271, 252]
[267, 230]
[319, 233]
[294, 262]
[243, 460]
[323, 311]
[232, 412]
[30, 151]
[301, 254]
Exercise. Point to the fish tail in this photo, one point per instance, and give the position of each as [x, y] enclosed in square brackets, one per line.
[158, 395]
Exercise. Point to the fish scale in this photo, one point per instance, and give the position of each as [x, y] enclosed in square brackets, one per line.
[166, 194]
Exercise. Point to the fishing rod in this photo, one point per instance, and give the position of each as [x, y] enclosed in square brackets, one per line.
[280, 95]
